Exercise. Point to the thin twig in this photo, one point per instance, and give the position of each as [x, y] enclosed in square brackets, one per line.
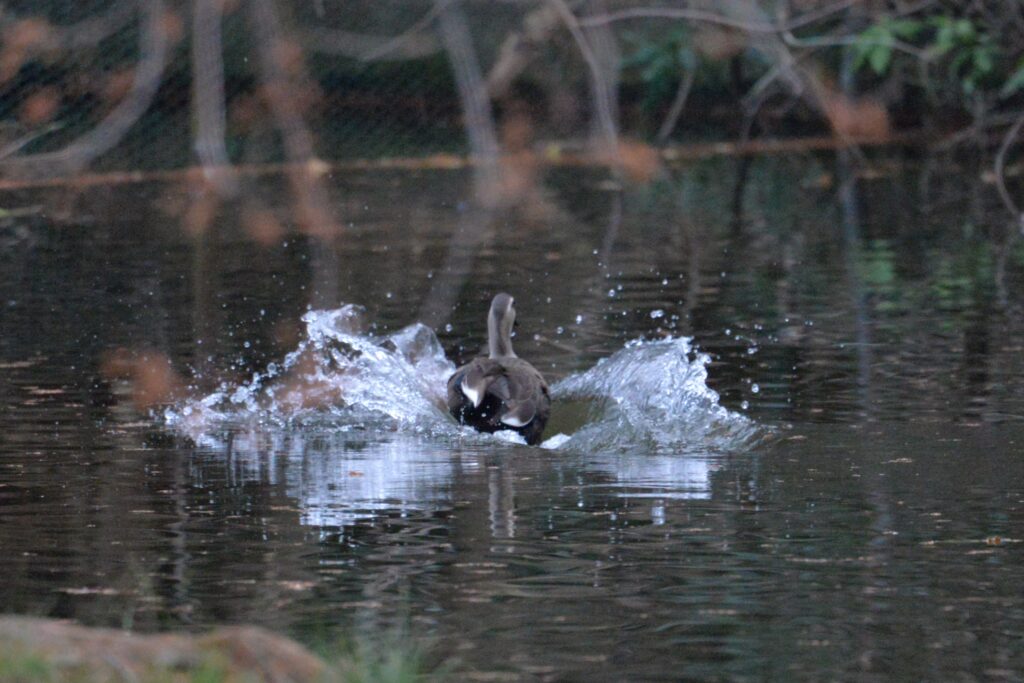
[1004, 194]
[716, 18]
[968, 132]
[15, 146]
[678, 104]
[93, 31]
[409, 44]
[604, 112]
[844, 41]
[368, 47]
[405, 36]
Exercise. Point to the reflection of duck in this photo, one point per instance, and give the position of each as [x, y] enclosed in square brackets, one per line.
[500, 391]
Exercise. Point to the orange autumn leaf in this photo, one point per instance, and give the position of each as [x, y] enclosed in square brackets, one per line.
[864, 117]
[639, 161]
[262, 226]
[40, 107]
[151, 378]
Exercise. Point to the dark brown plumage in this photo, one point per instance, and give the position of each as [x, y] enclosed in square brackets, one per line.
[500, 391]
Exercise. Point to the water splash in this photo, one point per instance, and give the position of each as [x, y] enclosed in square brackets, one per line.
[651, 396]
[338, 376]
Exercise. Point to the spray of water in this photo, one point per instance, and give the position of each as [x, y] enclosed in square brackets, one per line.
[653, 396]
[650, 396]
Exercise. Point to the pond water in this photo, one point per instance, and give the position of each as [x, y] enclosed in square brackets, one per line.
[794, 430]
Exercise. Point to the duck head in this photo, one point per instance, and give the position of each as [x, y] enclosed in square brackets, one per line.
[500, 321]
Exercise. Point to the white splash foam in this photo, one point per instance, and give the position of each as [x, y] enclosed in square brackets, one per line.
[653, 395]
[650, 396]
[337, 372]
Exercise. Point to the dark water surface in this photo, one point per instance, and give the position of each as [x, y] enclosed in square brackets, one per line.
[872, 531]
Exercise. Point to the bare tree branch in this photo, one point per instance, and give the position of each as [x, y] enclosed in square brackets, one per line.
[476, 225]
[520, 47]
[153, 48]
[678, 104]
[716, 18]
[282, 96]
[599, 86]
[476, 104]
[412, 43]
[1000, 164]
[208, 93]
[86, 33]
[92, 31]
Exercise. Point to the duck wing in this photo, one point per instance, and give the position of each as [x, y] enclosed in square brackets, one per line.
[527, 394]
[474, 380]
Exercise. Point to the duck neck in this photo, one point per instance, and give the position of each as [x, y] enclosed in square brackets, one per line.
[499, 338]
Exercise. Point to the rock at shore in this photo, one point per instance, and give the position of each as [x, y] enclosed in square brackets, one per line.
[46, 649]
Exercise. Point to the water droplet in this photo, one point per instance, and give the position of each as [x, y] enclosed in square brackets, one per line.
[247, 345]
[755, 388]
[664, 282]
[752, 350]
[388, 295]
[579, 319]
[658, 514]
[728, 332]
[560, 330]
[448, 327]
[744, 405]
[611, 293]
[658, 313]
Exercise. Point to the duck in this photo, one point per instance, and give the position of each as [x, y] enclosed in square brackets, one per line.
[500, 391]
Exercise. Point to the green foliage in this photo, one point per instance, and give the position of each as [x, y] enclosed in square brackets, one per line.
[24, 668]
[877, 261]
[965, 52]
[387, 667]
[1015, 82]
[875, 45]
[660, 64]
[972, 53]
